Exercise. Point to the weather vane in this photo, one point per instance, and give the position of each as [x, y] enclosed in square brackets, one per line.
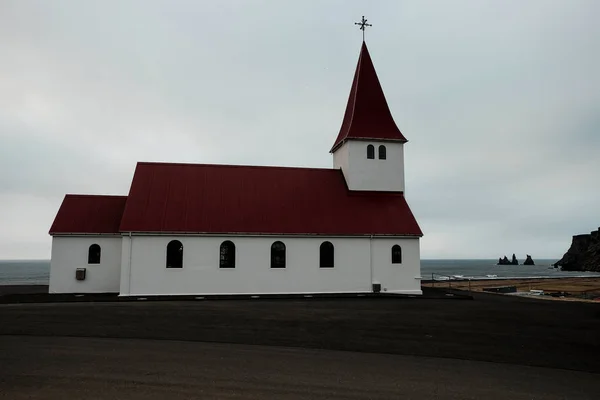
[363, 24]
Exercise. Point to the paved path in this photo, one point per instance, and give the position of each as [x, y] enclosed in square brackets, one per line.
[91, 368]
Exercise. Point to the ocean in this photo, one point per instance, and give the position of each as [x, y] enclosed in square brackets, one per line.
[486, 269]
[24, 272]
[37, 272]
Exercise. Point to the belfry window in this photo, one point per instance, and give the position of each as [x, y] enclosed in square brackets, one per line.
[278, 255]
[227, 255]
[175, 254]
[94, 254]
[396, 254]
[371, 152]
[382, 152]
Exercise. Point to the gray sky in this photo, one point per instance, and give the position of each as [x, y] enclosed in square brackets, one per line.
[500, 102]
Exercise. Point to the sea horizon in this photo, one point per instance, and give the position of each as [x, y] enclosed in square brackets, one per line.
[37, 271]
[422, 259]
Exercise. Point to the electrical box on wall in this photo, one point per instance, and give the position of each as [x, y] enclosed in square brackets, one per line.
[80, 274]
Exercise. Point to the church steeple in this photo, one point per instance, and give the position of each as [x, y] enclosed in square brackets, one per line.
[369, 148]
[367, 116]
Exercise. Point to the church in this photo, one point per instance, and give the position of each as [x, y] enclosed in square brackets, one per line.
[207, 229]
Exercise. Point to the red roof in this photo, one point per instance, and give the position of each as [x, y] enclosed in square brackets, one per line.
[89, 214]
[367, 113]
[201, 198]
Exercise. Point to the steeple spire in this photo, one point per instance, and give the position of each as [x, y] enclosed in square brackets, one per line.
[367, 113]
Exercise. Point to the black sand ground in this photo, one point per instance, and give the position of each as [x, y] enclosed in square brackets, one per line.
[23, 289]
[59, 368]
[490, 328]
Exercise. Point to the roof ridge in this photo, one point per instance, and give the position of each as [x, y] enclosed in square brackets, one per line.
[119, 196]
[178, 164]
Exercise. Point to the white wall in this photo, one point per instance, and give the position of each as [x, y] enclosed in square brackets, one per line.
[201, 273]
[375, 174]
[125, 264]
[397, 278]
[70, 253]
[340, 159]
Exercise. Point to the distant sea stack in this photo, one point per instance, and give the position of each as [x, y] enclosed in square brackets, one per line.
[505, 261]
[528, 261]
[584, 253]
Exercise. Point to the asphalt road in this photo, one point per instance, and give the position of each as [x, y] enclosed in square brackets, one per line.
[92, 368]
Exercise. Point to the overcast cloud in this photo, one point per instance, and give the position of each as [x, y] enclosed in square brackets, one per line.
[500, 101]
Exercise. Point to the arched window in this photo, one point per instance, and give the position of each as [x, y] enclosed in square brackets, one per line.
[382, 152]
[227, 255]
[326, 255]
[278, 255]
[396, 254]
[94, 254]
[370, 152]
[175, 254]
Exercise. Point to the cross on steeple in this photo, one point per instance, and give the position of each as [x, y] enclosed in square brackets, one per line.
[363, 24]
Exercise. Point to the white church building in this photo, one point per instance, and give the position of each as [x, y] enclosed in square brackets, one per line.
[205, 229]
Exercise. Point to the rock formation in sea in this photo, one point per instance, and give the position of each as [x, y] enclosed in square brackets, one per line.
[506, 261]
[528, 261]
[584, 253]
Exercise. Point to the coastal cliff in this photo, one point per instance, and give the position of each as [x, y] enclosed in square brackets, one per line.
[584, 253]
